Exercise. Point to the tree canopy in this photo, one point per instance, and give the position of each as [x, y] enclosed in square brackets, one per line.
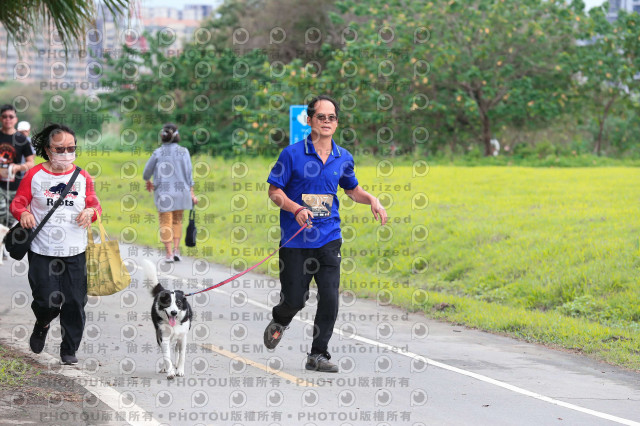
[411, 77]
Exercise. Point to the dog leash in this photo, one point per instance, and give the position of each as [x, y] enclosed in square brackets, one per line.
[221, 283]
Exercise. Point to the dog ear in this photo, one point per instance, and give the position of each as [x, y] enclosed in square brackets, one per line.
[179, 294]
[157, 290]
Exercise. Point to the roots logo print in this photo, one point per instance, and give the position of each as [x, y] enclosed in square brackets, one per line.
[56, 191]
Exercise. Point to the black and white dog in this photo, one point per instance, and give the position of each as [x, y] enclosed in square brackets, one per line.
[171, 315]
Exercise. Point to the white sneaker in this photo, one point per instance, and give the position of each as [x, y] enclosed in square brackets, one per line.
[176, 256]
[168, 259]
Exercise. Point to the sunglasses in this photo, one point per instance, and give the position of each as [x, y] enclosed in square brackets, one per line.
[62, 149]
[322, 117]
[8, 116]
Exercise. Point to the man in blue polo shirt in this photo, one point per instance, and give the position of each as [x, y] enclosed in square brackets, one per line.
[304, 184]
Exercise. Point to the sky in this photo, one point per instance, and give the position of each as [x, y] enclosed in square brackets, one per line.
[592, 3]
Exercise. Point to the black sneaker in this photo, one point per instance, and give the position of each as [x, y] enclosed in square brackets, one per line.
[273, 334]
[320, 362]
[68, 359]
[38, 337]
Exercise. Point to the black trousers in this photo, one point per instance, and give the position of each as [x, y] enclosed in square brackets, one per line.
[59, 287]
[297, 267]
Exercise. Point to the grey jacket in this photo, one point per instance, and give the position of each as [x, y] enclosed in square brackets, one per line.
[170, 166]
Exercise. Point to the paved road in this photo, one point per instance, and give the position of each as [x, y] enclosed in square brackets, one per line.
[396, 368]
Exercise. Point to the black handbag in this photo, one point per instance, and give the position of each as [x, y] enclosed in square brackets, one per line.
[190, 235]
[18, 239]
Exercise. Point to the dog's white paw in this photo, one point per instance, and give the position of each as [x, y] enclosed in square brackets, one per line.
[180, 372]
[171, 374]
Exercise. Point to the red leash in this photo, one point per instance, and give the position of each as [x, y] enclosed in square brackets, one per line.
[253, 267]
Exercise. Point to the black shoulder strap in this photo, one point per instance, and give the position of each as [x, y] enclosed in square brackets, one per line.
[58, 202]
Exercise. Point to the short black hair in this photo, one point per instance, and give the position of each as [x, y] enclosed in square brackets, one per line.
[7, 107]
[42, 139]
[170, 133]
[311, 108]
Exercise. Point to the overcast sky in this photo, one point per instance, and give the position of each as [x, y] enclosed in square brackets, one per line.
[592, 3]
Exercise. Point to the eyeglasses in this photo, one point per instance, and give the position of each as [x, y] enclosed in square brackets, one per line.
[322, 117]
[8, 116]
[62, 149]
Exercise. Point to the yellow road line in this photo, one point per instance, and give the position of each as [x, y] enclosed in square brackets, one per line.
[293, 379]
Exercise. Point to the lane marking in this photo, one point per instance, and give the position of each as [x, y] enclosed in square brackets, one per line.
[293, 379]
[457, 370]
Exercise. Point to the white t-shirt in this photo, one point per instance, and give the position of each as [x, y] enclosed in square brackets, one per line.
[61, 236]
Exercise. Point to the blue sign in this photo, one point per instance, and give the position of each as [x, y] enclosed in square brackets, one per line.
[298, 127]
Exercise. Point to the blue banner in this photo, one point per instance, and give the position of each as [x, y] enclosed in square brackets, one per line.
[298, 127]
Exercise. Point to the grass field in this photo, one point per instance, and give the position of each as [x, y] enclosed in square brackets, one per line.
[543, 254]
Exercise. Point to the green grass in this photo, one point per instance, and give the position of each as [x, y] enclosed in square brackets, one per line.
[547, 160]
[548, 255]
[14, 372]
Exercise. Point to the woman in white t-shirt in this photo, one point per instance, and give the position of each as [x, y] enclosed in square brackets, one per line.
[57, 262]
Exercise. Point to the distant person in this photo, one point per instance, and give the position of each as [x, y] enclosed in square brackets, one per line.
[304, 184]
[24, 127]
[170, 167]
[16, 158]
[57, 260]
[495, 147]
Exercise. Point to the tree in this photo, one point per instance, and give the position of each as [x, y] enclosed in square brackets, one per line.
[607, 64]
[382, 107]
[420, 69]
[505, 56]
[70, 108]
[70, 18]
[285, 29]
[411, 77]
[203, 90]
[26, 98]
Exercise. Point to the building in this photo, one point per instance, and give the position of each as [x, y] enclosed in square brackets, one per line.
[43, 60]
[617, 5]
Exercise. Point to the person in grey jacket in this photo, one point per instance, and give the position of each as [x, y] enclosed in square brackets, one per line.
[170, 167]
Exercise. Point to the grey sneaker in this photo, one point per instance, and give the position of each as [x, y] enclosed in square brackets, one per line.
[320, 362]
[68, 359]
[38, 338]
[273, 334]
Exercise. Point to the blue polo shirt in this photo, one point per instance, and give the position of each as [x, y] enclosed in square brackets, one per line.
[299, 170]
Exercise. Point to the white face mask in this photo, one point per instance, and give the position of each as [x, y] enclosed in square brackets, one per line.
[62, 161]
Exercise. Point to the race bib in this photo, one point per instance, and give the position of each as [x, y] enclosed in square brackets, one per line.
[319, 204]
